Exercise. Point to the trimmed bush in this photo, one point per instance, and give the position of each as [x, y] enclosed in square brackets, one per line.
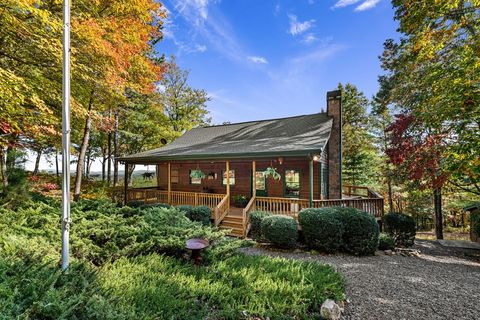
[322, 229]
[201, 214]
[280, 230]
[401, 227]
[361, 231]
[386, 242]
[185, 208]
[256, 218]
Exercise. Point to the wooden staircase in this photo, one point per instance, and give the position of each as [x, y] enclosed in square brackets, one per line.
[233, 222]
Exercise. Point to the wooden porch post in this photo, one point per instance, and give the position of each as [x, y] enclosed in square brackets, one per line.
[311, 184]
[125, 184]
[227, 170]
[169, 197]
[254, 179]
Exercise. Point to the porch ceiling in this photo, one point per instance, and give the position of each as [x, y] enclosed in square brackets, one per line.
[294, 136]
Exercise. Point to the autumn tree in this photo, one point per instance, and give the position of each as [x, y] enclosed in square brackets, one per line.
[184, 106]
[435, 69]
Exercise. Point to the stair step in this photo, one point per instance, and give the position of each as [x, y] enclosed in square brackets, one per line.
[232, 218]
[237, 225]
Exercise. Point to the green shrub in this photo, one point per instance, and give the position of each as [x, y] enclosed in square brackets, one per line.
[185, 208]
[321, 228]
[155, 205]
[475, 223]
[135, 203]
[200, 214]
[281, 231]
[386, 242]
[240, 200]
[361, 231]
[401, 227]
[256, 218]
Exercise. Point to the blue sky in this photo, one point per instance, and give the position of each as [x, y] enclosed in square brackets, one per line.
[264, 58]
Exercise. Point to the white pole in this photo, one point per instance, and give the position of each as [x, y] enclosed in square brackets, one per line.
[66, 135]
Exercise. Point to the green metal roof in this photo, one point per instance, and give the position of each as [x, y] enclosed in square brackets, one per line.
[293, 136]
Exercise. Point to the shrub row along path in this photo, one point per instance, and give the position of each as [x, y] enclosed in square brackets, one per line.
[441, 283]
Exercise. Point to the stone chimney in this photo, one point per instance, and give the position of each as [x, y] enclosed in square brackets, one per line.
[334, 110]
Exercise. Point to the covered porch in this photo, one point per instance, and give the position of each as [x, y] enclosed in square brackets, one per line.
[303, 184]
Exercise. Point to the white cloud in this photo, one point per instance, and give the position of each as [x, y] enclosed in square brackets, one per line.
[368, 4]
[256, 59]
[297, 27]
[309, 38]
[208, 23]
[201, 48]
[344, 3]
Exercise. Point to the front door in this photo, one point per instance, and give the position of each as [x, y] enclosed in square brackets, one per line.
[260, 184]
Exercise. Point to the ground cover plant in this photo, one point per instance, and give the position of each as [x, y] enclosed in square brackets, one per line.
[130, 263]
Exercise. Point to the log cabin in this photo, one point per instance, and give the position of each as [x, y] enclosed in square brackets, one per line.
[278, 165]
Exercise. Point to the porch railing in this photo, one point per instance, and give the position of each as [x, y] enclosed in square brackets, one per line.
[219, 203]
[246, 216]
[292, 207]
[221, 210]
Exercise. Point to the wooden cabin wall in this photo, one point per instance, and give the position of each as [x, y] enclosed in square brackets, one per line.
[243, 177]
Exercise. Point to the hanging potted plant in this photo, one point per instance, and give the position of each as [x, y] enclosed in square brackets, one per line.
[197, 174]
[272, 173]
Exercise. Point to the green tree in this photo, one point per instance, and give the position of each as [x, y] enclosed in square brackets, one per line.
[184, 106]
[359, 153]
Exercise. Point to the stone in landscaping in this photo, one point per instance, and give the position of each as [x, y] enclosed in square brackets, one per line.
[388, 252]
[330, 310]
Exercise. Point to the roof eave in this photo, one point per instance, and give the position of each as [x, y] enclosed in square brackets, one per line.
[226, 156]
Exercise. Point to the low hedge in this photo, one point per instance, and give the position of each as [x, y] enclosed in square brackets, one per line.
[200, 214]
[386, 242]
[155, 205]
[401, 227]
[361, 231]
[322, 229]
[280, 230]
[256, 218]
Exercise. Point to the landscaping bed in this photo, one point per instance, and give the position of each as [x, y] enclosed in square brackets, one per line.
[130, 263]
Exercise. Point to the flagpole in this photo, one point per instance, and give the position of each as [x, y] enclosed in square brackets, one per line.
[66, 135]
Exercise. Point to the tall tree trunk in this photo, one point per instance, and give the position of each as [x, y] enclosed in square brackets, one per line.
[87, 166]
[437, 204]
[57, 171]
[83, 150]
[131, 168]
[104, 162]
[109, 152]
[390, 195]
[3, 167]
[37, 162]
[115, 151]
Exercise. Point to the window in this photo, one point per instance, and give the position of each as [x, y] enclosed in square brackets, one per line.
[174, 175]
[292, 183]
[194, 180]
[231, 176]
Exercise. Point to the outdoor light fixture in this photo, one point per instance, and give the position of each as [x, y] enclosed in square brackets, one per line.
[280, 160]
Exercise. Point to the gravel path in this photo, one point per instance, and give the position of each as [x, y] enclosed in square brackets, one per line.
[442, 283]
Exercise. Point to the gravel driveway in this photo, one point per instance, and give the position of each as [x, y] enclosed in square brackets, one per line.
[442, 283]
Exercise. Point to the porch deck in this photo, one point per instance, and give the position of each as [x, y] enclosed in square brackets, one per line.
[238, 219]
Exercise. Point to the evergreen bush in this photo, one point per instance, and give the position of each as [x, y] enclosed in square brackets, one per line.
[322, 229]
[361, 231]
[386, 242]
[280, 230]
[256, 218]
[401, 227]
